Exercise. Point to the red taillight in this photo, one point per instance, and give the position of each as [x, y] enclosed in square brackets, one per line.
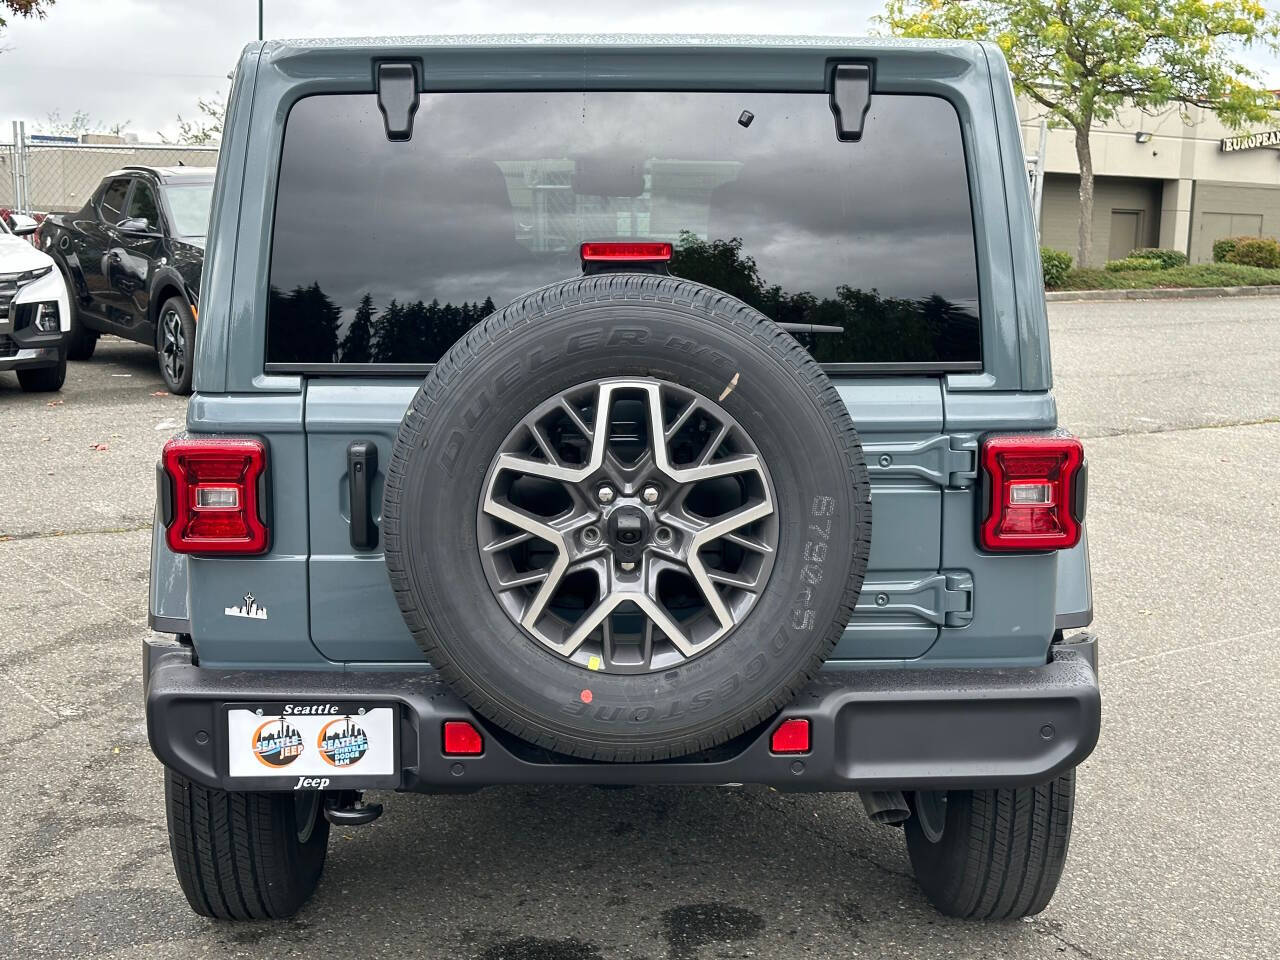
[215, 498]
[1035, 498]
[622, 252]
[461, 739]
[791, 736]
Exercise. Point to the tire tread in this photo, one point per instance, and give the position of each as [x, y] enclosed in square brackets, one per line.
[544, 303]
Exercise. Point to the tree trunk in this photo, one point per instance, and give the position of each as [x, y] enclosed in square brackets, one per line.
[1084, 247]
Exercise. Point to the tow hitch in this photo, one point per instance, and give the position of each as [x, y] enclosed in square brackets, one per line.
[346, 808]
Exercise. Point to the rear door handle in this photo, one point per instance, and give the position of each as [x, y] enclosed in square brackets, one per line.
[362, 467]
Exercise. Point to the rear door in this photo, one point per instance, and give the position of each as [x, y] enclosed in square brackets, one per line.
[94, 245]
[863, 250]
[132, 259]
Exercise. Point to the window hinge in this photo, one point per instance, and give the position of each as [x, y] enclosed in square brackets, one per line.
[398, 98]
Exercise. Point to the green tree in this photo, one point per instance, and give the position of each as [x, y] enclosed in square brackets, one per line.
[1082, 60]
[78, 124]
[24, 9]
[357, 345]
[206, 128]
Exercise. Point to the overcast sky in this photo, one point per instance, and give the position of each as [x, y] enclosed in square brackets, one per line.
[145, 61]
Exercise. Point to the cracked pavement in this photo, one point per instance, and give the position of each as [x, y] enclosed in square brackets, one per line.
[1174, 852]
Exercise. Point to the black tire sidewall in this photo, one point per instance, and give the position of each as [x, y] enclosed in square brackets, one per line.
[44, 379]
[446, 447]
[182, 388]
[81, 341]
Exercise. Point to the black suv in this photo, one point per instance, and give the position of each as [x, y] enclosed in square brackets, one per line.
[132, 258]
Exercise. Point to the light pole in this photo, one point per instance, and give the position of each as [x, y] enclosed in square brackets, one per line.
[259, 20]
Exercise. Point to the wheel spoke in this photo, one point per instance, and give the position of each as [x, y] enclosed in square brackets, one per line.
[625, 490]
[506, 543]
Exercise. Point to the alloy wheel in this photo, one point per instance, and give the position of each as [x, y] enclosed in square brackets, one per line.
[628, 524]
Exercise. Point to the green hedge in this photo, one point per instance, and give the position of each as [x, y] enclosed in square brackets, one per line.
[1222, 248]
[1166, 258]
[1130, 264]
[1255, 252]
[1192, 275]
[1055, 265]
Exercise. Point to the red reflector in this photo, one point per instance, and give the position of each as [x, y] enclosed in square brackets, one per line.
[792, 736]
[215, 495]
[1032, 498]
[625, 251]
[461, 739]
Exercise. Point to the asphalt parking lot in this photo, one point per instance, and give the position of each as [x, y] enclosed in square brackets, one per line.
[1175, 852]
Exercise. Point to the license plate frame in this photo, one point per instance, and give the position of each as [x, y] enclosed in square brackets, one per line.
[335, 744]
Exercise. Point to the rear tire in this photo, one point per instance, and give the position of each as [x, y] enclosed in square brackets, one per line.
[1001, 852]
[81, 341]
[175, 343]
[245, 856]
[44, 379]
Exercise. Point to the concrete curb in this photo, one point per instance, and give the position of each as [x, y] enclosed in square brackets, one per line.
[1162, 293]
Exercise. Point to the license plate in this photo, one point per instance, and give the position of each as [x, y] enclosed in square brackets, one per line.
[311, 741]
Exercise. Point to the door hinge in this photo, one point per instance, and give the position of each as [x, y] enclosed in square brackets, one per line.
[945, 599]
[948, 461]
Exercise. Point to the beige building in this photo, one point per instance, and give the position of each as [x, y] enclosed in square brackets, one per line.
[1160, 181]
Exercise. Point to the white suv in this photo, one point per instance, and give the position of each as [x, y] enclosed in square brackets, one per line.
[34, 313]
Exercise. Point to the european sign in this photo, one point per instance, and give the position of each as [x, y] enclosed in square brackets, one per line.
[1251, 141]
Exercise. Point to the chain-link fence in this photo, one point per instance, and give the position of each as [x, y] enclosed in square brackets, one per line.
[56, 177]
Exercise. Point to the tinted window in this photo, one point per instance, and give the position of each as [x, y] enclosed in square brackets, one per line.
[142, 203]
[387, 252]
[112, 204]
[190, 203]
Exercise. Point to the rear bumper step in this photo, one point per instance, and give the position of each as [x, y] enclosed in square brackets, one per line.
[875, 729]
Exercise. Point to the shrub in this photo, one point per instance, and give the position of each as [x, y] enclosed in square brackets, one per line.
[1133, 263]
[1166, 258]
[1222, 248]
[1055, 265]
[1255, 252]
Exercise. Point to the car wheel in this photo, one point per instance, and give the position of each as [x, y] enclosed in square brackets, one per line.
[245, 856]
[991, 854]
[44, 379]
[175, 342]
[81, 341]
[627, 517]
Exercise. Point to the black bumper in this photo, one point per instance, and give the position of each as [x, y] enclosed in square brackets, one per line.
[871, 729]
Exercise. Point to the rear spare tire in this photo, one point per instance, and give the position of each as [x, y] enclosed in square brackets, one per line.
[627, 517]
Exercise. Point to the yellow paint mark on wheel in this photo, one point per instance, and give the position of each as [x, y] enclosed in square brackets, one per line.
[593, 663]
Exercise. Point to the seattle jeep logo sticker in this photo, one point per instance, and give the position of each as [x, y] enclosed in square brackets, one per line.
[277, 743]
[342, 742]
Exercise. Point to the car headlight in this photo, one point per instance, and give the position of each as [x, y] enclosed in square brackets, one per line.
[35, 274]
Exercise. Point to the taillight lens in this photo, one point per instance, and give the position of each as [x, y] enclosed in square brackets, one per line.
[216, 502]
[626, 251]
[1035, 494]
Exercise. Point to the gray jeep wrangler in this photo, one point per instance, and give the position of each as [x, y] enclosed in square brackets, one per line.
[621, 412]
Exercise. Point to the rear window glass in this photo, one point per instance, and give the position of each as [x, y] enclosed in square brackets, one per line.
[386, 252]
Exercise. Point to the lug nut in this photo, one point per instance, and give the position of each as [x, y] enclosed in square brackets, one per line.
[605, 493]
[649, 494]
[590, 535]
[628, 566]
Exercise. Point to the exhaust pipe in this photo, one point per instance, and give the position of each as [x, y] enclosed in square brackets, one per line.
[887, 807]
